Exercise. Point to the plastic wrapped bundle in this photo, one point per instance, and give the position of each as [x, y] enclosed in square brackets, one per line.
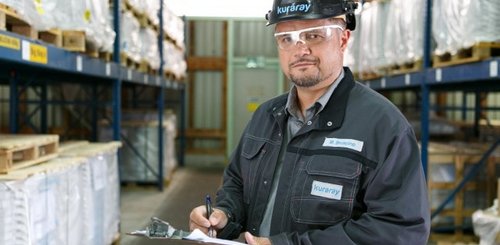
[151, 10]
[372, 39]
[138, 5]
[29, 11]
[404, 32]
[480, 23]
[447, 16]
[173, 27]
[14, 223]
[130, 40]
[100, 193]
[100, 21]
[174, 60]
[149, 50]
[461, 24]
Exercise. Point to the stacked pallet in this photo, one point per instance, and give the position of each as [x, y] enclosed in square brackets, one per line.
[448, 164]
[140, 162]
[465, 31]
[71, 198]
[20, 151]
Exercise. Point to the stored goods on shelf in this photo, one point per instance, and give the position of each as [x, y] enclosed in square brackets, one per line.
[461, 24]
[448, 165]
[91, 17]
[404, 32]
[68, 200]
[101, 213]
[130, 39]
[149, 51]
[140, 152]
[173, 26]
[372, 39]
[175, 62]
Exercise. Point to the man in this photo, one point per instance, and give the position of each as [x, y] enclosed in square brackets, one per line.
[330, 162]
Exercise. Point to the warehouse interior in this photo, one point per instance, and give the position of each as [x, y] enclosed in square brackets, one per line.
[113, 112]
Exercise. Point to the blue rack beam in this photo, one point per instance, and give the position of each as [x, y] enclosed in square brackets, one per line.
[486, 71]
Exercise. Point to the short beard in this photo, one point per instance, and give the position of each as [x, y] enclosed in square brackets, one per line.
[305, 82]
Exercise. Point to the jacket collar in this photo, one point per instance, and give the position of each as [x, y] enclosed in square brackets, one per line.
[332, 116]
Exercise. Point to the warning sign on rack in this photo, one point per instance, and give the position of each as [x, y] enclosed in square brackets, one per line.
[10, 42]
[34, 52]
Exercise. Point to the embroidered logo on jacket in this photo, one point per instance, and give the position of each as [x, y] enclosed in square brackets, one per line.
[344, 143]
[330, 191]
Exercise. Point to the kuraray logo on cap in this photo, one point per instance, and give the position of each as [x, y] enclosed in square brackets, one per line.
[290, 9]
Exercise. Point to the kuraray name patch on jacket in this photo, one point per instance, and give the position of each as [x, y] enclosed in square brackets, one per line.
[344, 143]
[330, 191]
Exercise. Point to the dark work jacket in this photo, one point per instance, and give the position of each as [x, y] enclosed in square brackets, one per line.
[352, 175]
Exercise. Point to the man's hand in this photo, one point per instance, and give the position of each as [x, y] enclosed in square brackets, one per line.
[198, 220]
[253, 240]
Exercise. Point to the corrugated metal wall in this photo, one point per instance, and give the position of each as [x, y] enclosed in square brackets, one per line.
[251, 38]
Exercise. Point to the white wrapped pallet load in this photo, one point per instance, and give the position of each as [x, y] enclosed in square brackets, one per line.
[447, 16]
[461, 24]
[173, 26]
[46, 203]
[404, 32]
[149, 52]
[28, 10]
[480, 23]
[100, 21]
[130, 40]
[14, 222]
[372, 39]
[152, 9]
[101, 200]
[175, 62]
[140, 153]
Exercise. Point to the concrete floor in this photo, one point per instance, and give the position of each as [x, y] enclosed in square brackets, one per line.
[188, 188]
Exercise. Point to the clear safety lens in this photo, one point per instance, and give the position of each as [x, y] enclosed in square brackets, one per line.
[309, 36]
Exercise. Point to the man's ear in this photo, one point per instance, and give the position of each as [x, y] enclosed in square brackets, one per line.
[344, 39]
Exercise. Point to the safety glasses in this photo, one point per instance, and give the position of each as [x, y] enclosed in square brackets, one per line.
[309, 36]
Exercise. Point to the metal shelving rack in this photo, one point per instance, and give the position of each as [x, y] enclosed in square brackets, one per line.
[478, 77]
[25, 63]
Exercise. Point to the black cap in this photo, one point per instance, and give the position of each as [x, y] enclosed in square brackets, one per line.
[284, 10]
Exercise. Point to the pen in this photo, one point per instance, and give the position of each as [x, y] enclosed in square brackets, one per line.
[208, 205]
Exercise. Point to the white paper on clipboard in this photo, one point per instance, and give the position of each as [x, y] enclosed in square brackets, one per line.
[197, 235]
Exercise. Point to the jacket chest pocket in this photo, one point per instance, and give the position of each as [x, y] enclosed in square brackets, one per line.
[252, 154]
[324, 190]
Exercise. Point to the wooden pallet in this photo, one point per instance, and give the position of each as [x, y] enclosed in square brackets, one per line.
[127, 61]
[53, 36]
[407, 67]
[11, 21]
[74, 40]
[479, 51]
[447, 239]
[106, 56]
[19, 151]
[455, 160]
[369, 75]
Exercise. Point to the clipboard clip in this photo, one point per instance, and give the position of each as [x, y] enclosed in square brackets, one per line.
[158, 229]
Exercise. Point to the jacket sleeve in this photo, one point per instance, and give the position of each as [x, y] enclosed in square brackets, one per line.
[395, 195]
[230, 198]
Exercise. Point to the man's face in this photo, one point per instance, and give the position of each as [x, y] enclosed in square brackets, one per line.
[309, 64]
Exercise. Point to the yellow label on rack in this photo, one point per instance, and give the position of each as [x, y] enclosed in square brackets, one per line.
[38, 53]
[87, 15]
[10, 42]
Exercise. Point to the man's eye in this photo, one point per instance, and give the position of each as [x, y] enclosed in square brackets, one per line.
[313, 36]
[286, 39]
